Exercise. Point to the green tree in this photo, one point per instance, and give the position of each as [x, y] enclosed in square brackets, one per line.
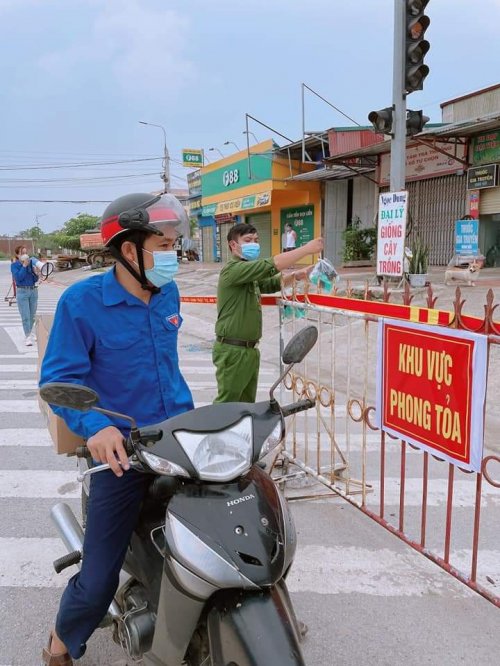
[32, 232]
[69, 235]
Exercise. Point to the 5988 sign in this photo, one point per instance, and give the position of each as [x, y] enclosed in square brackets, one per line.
[230, 177]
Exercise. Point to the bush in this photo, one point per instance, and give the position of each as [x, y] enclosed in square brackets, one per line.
[359, 242]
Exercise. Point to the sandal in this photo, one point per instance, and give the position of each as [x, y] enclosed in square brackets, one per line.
[51, 659]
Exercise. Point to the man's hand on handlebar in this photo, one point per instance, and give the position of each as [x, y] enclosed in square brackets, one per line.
[107, 446]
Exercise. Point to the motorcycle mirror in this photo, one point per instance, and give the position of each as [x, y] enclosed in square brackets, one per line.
[73, 396]
[300, 345]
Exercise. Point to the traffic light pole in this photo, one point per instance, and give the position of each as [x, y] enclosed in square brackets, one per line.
[398, 140]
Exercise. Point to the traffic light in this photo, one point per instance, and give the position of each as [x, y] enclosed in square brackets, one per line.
[382, 120]
[416, 47]
[415, 121]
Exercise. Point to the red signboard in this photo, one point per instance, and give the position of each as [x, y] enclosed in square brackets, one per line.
[431, 389]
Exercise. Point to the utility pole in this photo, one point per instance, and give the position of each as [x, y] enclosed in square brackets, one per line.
[398, 139]
[166, 157]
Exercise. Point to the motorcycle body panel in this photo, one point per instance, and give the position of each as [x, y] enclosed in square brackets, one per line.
[253, 629]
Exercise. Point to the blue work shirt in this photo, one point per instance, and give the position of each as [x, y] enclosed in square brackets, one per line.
[107, 339]
[24, 276]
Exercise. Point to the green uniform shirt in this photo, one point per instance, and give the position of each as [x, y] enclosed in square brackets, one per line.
[238, 297]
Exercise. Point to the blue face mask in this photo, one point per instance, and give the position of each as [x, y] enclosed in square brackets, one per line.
[250, 251]
[164, 268]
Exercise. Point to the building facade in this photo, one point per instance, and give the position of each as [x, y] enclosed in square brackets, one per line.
[255, 187]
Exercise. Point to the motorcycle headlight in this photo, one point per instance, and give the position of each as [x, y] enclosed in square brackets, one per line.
[220, 456]
[274, 440]
[162, 466]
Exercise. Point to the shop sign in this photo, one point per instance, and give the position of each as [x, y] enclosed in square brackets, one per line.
[392, 210]
[194, 205]
[480, 177]
[474, 203]
[424, 162]
[192, 157]
[302, 220]
[467, 237]
[241, 203]
[486, 148]
[209, 211]
[235, 176]
[194, 183]
[431, 389]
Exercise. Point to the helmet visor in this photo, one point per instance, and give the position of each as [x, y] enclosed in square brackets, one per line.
[168, 212]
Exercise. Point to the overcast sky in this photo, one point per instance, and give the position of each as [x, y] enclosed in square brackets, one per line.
[77, 76]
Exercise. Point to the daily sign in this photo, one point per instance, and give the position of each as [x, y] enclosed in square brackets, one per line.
[392, 209]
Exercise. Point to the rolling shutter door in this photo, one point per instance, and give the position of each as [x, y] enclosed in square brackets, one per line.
[262, 223]
[225, 254]
[435, 205]
[207, 244]
[489, 201]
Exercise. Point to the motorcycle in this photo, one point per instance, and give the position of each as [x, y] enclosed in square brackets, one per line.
[204, 578]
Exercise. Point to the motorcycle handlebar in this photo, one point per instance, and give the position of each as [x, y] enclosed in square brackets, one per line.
[299, 406]
[83, 451]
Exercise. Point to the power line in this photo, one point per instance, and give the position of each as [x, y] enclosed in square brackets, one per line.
[76, 165]
[74, 180]
[72, 201]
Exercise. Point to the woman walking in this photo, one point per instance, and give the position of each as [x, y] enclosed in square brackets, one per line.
[26, 291]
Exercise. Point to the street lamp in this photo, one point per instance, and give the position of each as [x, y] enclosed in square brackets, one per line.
[226, 143]
[248, 132]
[212, 149]
[166, 156]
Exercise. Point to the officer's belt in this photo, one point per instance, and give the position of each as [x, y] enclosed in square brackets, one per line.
[237, 343]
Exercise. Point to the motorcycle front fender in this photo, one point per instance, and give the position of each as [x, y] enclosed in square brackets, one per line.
[254, 628]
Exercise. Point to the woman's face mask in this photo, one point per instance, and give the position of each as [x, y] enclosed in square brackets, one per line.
[165, 267]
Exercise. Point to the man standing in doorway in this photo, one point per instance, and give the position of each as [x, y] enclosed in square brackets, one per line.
[239, 316]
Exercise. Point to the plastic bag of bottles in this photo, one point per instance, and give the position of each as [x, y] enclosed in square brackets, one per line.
[324, 275]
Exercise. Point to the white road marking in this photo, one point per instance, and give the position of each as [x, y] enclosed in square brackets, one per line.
[38, 484]
[14, 367]
[21, 356]
[382, 573]
[437, 493]
[14, 384]
[211, 371]
[27, 562]
[25, 437]
[19, 406]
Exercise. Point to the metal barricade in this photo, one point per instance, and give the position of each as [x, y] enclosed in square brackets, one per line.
[437, 508]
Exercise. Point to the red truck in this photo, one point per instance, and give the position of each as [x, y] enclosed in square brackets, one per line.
[97, 255]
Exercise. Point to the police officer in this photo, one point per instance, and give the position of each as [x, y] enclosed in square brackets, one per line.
[117, 334]
[239, 316]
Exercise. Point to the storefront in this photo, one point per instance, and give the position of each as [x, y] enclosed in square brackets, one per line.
[435, 180]
[256, 189]
[484, 192]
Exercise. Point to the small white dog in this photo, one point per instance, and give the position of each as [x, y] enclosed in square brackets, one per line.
[463, 274]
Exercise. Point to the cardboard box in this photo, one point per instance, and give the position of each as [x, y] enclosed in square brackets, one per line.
[65, 440]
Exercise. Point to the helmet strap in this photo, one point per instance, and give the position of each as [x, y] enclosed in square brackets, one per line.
[140, 275]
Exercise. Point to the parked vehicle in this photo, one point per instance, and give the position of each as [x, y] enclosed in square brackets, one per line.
[207, 586]
[97, 254]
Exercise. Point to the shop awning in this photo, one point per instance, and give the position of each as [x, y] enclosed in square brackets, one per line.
[465, 128]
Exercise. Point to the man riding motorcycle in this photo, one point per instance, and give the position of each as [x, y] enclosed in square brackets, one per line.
[117, 333]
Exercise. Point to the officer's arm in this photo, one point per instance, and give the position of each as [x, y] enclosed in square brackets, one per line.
[270, 285]
[67, 359]
[242, 272]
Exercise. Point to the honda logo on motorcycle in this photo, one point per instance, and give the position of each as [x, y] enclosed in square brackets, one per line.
[239, 500]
